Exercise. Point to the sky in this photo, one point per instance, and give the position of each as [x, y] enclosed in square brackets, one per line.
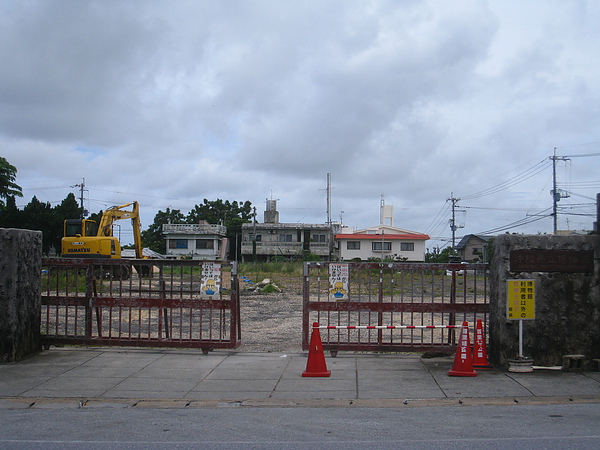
[417, 104]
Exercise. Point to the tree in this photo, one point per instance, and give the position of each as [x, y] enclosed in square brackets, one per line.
[230, 214]
[68, 209]
[438, 256]
[10, 216]
[219, 211]
[153, 237]
[8, 175]
[42, 217]
[39, 216]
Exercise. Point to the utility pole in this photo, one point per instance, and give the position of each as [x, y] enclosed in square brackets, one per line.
[453, 225]
[329, 221]
[597, 223]
[329, 199]
[254, 237]
[81, 191]
[557, 194]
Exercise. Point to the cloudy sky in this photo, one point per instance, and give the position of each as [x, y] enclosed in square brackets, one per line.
[413, 102]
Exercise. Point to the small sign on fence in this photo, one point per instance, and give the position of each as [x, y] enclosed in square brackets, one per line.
[338, 281]
[211, 280]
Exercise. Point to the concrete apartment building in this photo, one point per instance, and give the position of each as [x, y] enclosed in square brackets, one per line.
[202, 241]
[276, 239]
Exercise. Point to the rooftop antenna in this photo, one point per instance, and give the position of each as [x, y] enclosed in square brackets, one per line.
[329, 198]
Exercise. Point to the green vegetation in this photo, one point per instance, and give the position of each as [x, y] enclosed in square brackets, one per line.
[8, 187]
[40, 216]
[231, 214]
[287, 275]
[64, 280]
[268, 269]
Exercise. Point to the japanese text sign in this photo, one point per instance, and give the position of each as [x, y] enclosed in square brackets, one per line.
[520, 303]
[211, 280]
[338, 281]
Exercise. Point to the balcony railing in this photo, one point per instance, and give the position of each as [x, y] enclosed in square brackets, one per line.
[284, 248]
[184, 228]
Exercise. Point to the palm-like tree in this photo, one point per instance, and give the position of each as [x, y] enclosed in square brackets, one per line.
[8, 175]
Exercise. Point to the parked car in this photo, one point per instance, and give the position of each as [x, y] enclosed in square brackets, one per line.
[458, 272]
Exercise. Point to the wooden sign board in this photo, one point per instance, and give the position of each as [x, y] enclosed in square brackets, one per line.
[552, 261]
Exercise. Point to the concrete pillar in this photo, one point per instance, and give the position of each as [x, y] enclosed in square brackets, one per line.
[20, 302]
[567, 304]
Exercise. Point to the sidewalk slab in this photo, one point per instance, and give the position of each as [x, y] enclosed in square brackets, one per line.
[231, 377]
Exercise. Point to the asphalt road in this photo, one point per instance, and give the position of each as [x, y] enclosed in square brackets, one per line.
[556, 426]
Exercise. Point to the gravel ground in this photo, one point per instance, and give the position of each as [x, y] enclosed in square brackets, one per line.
[271, 322]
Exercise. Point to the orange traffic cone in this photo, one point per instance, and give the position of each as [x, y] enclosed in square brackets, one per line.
[480, 360]
[316, 366]
[463, 360]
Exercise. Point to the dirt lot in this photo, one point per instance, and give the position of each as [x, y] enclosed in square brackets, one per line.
[271, 322]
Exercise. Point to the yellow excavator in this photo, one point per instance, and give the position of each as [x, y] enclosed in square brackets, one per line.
[84, 238]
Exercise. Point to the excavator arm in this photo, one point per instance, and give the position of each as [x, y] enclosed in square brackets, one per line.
[115, 213]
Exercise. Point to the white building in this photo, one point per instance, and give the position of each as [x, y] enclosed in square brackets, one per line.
[382, 242]
[202, 241]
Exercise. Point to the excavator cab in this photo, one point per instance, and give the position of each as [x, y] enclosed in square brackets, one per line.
[80, 228]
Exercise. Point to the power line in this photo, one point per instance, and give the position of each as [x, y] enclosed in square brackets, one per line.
[516, 224]
[519, 178]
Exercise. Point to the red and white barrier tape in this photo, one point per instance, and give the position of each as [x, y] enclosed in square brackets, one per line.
[383, 327]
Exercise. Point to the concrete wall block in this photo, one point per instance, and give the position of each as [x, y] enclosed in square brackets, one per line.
[567, 304]
[20, 301]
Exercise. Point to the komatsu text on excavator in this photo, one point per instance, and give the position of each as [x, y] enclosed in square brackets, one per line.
[85, 239]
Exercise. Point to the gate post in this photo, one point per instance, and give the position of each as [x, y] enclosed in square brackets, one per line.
[305, 302]
[20, 293]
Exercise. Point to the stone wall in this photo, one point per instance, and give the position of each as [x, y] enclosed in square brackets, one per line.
[20, 302]
[567, 305]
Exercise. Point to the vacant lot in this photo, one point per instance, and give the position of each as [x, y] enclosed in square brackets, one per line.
[271, 322]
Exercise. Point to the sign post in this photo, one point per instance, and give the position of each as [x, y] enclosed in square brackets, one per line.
[520, 306]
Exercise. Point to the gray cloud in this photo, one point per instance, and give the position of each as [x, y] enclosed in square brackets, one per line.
[172, 102]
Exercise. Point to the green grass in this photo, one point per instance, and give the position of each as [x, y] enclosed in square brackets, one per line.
[285, 274]
[255, 271]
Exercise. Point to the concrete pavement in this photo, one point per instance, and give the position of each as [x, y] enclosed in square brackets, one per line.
[128, 377]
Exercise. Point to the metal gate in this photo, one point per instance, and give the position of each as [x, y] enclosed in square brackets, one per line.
[392, 294]
[147, 303]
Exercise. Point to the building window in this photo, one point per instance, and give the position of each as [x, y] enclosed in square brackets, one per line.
[258, 237]
[319, 238]
[285, 238]
[407, 246]
[353, 245]
[477, 250]
[376, 246]
[205, 244]
[178, 243]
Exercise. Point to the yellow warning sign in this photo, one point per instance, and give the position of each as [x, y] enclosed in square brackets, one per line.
[520, 303]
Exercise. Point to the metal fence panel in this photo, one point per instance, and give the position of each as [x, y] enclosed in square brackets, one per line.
[386, 294]
[156, 303]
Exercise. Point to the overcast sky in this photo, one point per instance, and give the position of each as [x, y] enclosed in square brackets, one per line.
[171, 102]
